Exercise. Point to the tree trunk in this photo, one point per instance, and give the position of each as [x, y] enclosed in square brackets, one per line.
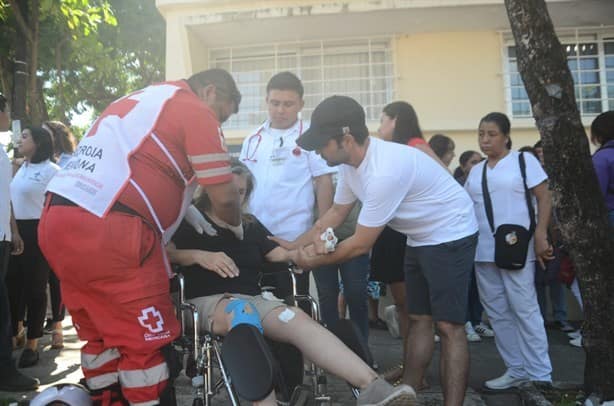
[20, 71]
[578, 201]
[36, 101]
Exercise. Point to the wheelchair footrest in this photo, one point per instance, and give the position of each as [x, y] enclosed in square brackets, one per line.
[248, 362]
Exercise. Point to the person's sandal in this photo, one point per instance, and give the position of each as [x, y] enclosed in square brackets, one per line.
[394, 374]
[57, 339]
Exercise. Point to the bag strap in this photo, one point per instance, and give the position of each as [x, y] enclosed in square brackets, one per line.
[527, 194]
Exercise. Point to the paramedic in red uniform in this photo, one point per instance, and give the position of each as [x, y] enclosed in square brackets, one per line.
[111, 210]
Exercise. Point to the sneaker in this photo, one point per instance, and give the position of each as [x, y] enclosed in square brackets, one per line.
[436, 338]
[15, 381]
[381, 393]
[505, 381]
[392, 321]
[576, 342]
[484, 331]
[472, 336]
[575, 334]
[564, 326]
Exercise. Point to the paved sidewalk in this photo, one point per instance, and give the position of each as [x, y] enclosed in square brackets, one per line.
[568, 362]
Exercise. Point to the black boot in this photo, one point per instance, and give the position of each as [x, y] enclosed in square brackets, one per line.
[12, 380]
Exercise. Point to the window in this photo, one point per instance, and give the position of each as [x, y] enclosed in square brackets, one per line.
[591, 61]
[359, 68]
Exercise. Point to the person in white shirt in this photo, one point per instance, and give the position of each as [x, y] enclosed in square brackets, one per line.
[404, 188]
[10, 243]
[290, 181]
[509, 297]
[28, 273]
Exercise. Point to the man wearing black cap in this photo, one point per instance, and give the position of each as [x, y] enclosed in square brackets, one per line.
[405, 189]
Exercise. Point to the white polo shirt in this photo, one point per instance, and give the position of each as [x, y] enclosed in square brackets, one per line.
[409, 191]
[28, 189]
[284, 197]
[5, 195]
[507, 196]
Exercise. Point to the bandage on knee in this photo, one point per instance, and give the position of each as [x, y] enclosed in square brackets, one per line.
[243, 312]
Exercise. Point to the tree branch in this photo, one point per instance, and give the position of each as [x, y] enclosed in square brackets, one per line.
[21, 22]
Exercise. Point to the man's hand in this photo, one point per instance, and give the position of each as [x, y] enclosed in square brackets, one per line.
[543, 249]
[17, 244]
[196, 219]
[218, 262]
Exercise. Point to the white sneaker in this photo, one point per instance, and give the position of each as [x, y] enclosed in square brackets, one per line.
[505, 381]
[472, 336]
[484, 331]
[392, 321]
[576, 342]
[437, 338]
[574, 334]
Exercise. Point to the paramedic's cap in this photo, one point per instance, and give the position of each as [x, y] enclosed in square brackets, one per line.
[332, 117]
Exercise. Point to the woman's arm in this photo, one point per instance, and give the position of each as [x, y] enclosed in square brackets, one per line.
[218, 262]
[280, 254]
[543, 249]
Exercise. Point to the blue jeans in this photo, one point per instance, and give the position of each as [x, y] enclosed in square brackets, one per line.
[355, 275]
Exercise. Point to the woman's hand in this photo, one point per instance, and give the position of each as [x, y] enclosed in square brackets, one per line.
[543, 248]
[17, 244]
[217, 262]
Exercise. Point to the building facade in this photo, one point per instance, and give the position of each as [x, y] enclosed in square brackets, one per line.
[453, 60]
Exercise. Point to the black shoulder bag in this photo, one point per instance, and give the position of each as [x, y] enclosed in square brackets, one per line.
[511, 240]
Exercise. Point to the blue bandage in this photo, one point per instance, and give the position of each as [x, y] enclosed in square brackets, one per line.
[243, 312]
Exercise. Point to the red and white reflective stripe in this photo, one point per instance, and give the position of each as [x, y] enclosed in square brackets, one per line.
[210, 173]
[208, 158]
[147, 403]
[96, 361]
[140, 378]
[102, 381]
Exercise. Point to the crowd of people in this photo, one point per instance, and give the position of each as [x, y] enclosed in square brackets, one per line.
[466, 255]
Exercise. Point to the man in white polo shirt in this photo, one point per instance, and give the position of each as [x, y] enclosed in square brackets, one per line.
[289, 179]
[405, 189]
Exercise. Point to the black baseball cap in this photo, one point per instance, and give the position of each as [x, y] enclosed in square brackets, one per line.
[330, 119]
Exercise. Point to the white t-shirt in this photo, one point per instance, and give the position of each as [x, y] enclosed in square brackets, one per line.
[507, 196]
[284, 197]
[5, 200]
[28, 189]
[408, 190]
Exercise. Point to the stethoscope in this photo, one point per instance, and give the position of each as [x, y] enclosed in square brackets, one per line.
[250, 153]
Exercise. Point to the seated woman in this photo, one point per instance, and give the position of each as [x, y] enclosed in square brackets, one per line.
[223, 267]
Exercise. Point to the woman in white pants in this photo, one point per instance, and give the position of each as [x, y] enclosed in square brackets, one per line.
[509, 296]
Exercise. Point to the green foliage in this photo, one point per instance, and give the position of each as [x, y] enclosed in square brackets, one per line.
[91, 52]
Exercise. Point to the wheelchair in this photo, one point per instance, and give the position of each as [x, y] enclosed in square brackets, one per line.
[216, 363]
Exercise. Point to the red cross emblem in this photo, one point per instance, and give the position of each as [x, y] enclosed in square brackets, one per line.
[151, 319]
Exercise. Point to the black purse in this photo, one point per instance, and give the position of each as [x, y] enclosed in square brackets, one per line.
[511, 240]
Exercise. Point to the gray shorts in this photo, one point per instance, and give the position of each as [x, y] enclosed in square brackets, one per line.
[206, 306]
[437, 279]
